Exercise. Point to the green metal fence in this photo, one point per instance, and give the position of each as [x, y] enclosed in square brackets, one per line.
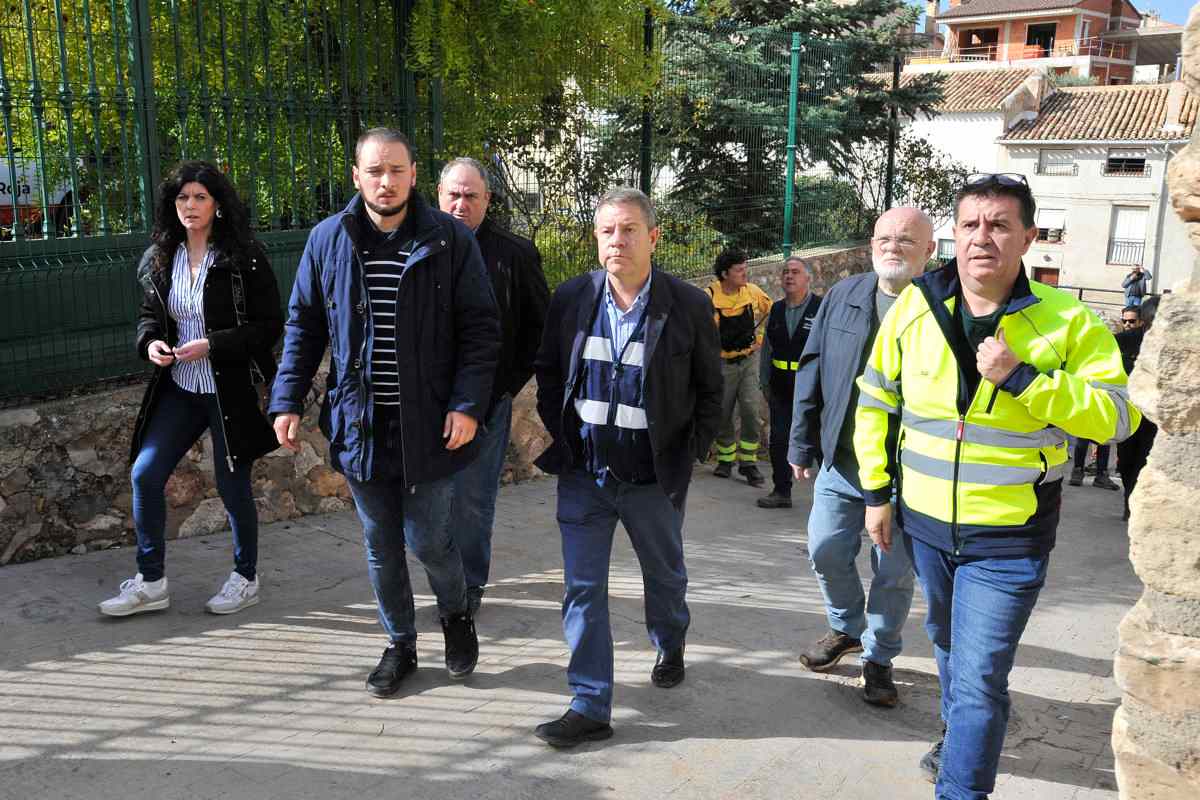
[98, 99]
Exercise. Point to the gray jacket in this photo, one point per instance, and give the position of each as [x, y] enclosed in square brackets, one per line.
[834, 356]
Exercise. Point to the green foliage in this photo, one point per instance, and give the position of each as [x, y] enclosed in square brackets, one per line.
[1071, 79]
[925, 177]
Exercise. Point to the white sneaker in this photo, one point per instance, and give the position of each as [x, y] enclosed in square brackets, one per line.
[137, 596]
[236, 594]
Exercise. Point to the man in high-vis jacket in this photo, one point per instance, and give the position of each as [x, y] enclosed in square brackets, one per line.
[979, 375]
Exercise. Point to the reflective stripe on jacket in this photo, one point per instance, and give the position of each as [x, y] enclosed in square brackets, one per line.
[980, 466]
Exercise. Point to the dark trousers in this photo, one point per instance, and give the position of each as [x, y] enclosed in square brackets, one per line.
[1081, 451]
[178, 419]
[781, 426]
[1132, 454]
[587, 517]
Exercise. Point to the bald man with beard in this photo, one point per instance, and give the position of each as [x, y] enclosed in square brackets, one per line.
[821, 446]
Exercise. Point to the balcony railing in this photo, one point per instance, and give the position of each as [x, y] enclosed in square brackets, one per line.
[1126, 170]
[1091, 46]
[1057, 169]
[1126, 251]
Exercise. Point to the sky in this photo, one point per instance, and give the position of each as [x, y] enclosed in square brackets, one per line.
[1171, 10]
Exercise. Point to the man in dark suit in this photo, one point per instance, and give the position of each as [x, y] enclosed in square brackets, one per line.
[629, 388]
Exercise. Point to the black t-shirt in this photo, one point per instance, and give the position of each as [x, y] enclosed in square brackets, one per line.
[976, 329]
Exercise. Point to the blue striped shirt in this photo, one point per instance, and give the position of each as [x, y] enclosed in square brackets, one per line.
[623, 323]
[185, 304]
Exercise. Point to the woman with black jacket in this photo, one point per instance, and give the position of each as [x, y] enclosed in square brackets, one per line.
[208, 322]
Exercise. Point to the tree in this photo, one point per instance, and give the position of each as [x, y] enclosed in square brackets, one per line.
[925, 177]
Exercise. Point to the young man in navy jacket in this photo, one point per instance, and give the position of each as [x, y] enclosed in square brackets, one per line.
[398, 292]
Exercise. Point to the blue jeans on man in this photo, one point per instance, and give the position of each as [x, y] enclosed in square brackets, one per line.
[587, 516]
[473, 509]
[835, 535]
[178, 419]
[978, 608]
[394, 517]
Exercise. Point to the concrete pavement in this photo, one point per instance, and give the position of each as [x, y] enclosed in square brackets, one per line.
[269, 703]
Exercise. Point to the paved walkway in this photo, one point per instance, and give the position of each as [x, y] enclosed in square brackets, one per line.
[269, 703]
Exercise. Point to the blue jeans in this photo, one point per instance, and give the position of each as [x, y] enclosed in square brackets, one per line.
[587, 517]
[835, 534]
[177, 420]
[978, 608]
[393, 517]
[475, 490]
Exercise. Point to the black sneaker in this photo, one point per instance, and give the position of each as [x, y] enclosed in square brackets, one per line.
[1102, 481]
[775, 500]
[828, 651]
[724, 469]
[752, 475]
[878, 687]
[931, 762]
[462, 645]
[398, 662]
[1076, 477]
[572, 728]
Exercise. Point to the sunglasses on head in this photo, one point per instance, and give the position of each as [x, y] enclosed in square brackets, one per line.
[1001, 178]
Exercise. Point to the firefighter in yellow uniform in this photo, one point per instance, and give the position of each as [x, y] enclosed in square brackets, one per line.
[740, 308]
[975, 380]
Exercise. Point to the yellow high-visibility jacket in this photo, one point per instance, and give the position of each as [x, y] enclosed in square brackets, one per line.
[978, 468]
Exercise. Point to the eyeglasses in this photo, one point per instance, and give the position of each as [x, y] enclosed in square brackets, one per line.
[883, 241]
[1128, 321]
[1002, 178]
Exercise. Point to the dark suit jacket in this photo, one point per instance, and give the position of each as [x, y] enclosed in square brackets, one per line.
[681, 375]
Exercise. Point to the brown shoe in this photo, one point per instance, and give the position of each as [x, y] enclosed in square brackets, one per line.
[878, 687]
[827, 651]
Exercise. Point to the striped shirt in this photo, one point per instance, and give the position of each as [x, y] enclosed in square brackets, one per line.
[383, 265]
[185, 304]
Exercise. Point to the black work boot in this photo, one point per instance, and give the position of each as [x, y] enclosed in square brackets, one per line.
[827, 651]
[775, 499]
[1102, 481]
[931, 762]
[752, 475]
[462, 645]
[878, 687]
[724, 469]
[668, 669]
[1076, 477]
[398, 662]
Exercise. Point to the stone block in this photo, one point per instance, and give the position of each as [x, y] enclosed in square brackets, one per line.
[1166, 381]
[209, 517]
[1142, 772]
[1164, 532]
[1159, 670]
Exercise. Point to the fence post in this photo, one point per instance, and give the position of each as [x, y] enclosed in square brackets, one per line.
[137, 17]
[402, 9]
[789, 195]
[893, 119]
[647, 50]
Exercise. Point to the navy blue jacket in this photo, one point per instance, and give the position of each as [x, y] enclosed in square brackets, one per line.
[447, 340]
[834, 355]
[681, 375]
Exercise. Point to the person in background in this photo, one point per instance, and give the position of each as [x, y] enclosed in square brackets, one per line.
[209, 319]
[740, 308]
[1136, 286]
[788, 325]
[514, 266]
[1133, 452]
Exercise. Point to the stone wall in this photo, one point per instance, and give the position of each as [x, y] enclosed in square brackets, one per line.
[64, 477]
[1156, 733]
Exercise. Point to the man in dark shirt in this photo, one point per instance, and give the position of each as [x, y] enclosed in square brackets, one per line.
[1133, 452]
[822, 447]
[515, 269]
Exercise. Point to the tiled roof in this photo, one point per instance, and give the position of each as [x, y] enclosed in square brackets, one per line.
[980, 8]
[970, 90]
[1106, 113]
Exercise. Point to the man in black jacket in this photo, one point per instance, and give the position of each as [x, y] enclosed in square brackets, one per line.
[788, 326]
[629, 388]
[398, 292]
[515, 268]
[822, 447]
[1133, 452]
